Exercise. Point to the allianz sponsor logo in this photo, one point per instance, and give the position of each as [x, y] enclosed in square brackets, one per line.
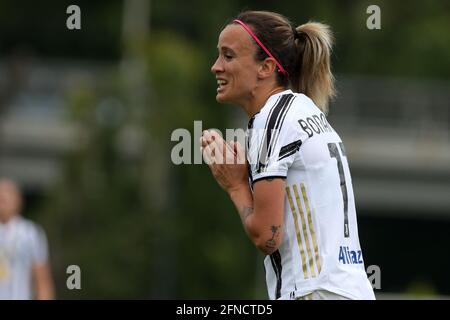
[347, 256]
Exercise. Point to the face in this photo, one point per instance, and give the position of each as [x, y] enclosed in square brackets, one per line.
[10, 201]
[235, 69]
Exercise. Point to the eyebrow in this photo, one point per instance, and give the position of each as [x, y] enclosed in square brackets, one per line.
[225, 48]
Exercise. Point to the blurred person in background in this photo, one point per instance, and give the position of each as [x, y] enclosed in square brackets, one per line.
[24, 267]
[294, 196]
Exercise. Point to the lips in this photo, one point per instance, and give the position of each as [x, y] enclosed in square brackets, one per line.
[221, 83]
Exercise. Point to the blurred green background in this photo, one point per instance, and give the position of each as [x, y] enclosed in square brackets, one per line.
[86, 118]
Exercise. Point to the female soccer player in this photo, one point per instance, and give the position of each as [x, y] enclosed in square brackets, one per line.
[294, 195]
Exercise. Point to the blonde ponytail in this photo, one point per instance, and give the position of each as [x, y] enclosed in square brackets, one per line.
[314, 78]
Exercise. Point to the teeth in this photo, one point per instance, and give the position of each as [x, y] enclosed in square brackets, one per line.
[221, 82]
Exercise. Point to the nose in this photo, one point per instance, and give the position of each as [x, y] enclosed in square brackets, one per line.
[217, 66]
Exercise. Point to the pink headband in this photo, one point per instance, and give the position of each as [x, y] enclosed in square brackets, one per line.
[250, 32]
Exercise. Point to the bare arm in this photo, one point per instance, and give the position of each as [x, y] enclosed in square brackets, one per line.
[262, 213]
[43, 282]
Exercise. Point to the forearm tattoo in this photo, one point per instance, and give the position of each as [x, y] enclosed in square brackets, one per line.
[272, 242]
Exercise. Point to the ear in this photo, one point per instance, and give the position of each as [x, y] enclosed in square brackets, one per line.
[267, 68]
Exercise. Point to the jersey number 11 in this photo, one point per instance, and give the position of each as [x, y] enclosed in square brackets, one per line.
[334, 153]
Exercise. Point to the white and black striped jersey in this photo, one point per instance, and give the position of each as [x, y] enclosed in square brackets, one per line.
[291, 138]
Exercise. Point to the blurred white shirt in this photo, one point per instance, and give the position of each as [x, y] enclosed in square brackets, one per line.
[22, 244]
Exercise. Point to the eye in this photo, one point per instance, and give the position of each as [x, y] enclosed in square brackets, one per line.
[228, 56]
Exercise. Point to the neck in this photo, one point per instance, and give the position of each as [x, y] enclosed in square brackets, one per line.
[3, 220]
[258, 100]
[6, 219]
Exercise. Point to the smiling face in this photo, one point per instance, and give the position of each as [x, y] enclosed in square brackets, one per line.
[235, 69]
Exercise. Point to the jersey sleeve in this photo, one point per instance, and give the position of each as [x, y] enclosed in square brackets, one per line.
[272, 149]
[39, 245]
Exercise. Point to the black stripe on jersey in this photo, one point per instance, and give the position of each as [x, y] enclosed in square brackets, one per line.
[342, 149]
[283, 116]
[275, 122]
[261, 146]
[248, 138]
[250, 177]
[267, 178]
[251, 121]
[273, 125]
[271, 110]
[289, 149]
[275, 258]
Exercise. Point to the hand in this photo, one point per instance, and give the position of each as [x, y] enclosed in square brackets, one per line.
[226, 161]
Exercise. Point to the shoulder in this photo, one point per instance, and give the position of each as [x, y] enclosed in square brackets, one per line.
[29, 227]
[283, 109]
[274, 112]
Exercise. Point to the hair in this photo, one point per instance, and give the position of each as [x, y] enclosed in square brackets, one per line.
[303, 51]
